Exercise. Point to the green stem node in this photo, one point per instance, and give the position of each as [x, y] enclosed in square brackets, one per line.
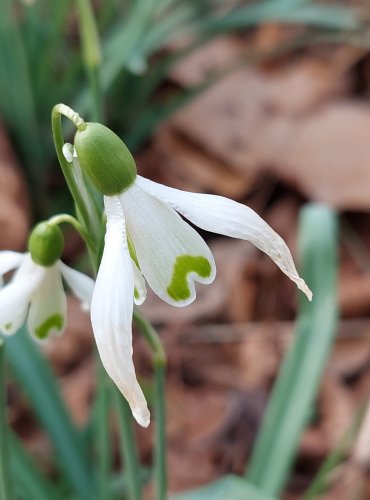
[63, 109]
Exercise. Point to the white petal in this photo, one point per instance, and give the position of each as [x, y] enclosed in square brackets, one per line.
[15, 297]
[111, 311]
[9, 260]
[140, 287]
[223, 216]
[81, 285]
[48, 308]
[68, 152]
[17, 322]
[171, 254]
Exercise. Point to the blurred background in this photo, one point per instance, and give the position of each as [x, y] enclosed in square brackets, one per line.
[264, 102]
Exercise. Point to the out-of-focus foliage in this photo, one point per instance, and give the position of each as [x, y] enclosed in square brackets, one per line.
[141, 41]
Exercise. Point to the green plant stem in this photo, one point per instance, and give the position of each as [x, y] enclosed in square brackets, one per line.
[5, 484]
[92, 56]
[31, 482]
[152, 338]
[102, 432]
[159, 363]
[56, 124]
[96, 94]
[92, 60]
[128, 447]
[69, 219]
[160, 472]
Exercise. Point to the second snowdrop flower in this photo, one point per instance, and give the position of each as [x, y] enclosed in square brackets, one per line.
[35, 292]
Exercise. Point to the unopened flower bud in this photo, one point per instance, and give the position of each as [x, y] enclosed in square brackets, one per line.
[105, 158]
[46, 244]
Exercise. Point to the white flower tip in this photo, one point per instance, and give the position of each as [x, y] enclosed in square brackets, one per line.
[301, 284]
[139, 295]
[307, 291]
[141, 415]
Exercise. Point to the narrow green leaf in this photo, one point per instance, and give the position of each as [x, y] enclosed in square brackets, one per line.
[16, 101]
[129, 452]
[38, 381]
[333, 17]
[320, 16]
[294, 392]
[30, 483]
[6, 487]
[229, 487]
[160, 466]
[102, 432]
[119, 47]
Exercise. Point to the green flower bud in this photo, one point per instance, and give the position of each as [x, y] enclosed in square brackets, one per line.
[105, 158]
[46, 244]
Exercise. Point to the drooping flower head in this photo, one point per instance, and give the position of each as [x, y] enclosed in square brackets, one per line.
[35, 291]
[147, 241]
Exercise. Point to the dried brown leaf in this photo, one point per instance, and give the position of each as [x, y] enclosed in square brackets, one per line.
[14, 218]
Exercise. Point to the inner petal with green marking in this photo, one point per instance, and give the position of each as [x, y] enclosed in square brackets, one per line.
[55, 321]
[179, 289]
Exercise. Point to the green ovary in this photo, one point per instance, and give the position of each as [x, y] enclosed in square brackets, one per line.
[54, 321]
[179, 289]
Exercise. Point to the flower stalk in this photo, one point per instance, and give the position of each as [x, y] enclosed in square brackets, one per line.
[69, 219]
[160, 445]
[128, 448]
[159, 364]
[56, 124]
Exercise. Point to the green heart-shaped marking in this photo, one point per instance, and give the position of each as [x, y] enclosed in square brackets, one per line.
[178, 289]
[54, 321]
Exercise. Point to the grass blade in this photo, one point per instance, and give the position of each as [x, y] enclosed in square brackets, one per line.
[159, 363]
[30, 484]
[333, 17]
[229, 487]
[298, 382]
[38, 381]
[128, 447]
[160, 433]
[102, 433]
[6, 490]
[17, 101]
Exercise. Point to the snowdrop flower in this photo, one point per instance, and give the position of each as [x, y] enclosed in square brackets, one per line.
[147, 241]
[36, 290]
